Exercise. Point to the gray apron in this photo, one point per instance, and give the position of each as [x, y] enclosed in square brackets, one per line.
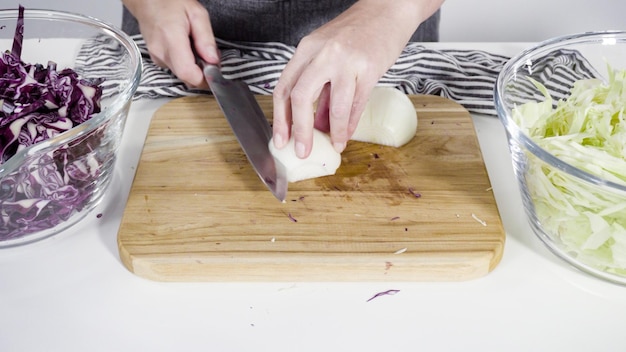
[285, 21]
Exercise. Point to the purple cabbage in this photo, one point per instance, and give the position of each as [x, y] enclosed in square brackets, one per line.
[38, 103]
[18, 38]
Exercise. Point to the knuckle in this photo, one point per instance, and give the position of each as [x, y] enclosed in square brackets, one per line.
[340, 110]
[281, 92]
[198, 12]
[298, 96]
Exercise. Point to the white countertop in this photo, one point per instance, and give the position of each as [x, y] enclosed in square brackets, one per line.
[71, 292]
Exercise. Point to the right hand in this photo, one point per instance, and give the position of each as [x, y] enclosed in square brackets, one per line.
[170, 28]
[335, 68]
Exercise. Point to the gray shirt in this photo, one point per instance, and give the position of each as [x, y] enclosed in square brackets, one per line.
[285, 21]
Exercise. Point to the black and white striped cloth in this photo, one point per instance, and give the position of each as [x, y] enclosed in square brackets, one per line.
[465, 76]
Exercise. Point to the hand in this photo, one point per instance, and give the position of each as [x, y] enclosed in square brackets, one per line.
[338, 65]
[170, 28]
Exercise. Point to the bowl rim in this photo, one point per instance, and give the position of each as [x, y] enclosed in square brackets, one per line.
[117, 103]
[513, 130]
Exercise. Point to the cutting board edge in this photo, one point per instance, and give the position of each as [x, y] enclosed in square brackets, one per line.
[362, 267]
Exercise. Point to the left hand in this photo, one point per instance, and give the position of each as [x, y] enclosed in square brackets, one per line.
[337, 66]
[170, 29]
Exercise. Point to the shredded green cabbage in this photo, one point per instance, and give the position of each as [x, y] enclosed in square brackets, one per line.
[587, 131]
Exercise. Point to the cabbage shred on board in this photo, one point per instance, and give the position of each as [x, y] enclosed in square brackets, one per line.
[587, 131]
[38, 103]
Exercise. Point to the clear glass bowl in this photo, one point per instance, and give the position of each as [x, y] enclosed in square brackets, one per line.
[562, 202]
[74, 168]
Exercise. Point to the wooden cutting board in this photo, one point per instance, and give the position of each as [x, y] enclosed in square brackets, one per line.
[198, 212]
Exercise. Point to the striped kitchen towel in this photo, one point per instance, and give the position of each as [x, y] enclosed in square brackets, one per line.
[465, 76]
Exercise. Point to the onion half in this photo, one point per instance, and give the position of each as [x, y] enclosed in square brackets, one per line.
[389, 119]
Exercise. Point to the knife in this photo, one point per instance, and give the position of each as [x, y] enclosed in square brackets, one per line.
[249, 125]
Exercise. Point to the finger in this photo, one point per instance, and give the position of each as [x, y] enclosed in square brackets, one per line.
[303, 96]
[302, 115]
[180, 57]
[361, 96]
[155, 59]
[202, 36]
[341, 97]
[281, 122]
[282, 116]
[181, 60]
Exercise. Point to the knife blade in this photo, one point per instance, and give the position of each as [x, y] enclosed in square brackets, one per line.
[250, 126]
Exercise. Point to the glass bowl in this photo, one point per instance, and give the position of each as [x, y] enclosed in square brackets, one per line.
[51, 185]
[573, 203]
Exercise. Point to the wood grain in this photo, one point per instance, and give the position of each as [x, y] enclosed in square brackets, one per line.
[198, 212]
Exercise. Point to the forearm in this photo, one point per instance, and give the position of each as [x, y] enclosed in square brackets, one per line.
[389, 24]
[397, 19]
[134, 6]
[410, 12]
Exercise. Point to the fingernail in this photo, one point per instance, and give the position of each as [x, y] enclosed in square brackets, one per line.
[213, 53]
[300, 149]
[339, 147]
[278, 141]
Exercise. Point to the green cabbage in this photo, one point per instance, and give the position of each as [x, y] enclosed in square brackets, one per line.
[587, 131]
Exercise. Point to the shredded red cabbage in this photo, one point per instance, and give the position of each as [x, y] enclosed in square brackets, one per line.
[384, 293]
[414, 193]
[18, 38]
[37, 103]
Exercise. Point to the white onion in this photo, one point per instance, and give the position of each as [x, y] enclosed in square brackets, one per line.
[389, 118]
[323, 160]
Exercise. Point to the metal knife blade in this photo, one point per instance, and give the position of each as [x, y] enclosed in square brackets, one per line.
[249, 125]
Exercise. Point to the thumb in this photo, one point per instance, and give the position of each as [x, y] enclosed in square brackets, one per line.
[203, 39]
